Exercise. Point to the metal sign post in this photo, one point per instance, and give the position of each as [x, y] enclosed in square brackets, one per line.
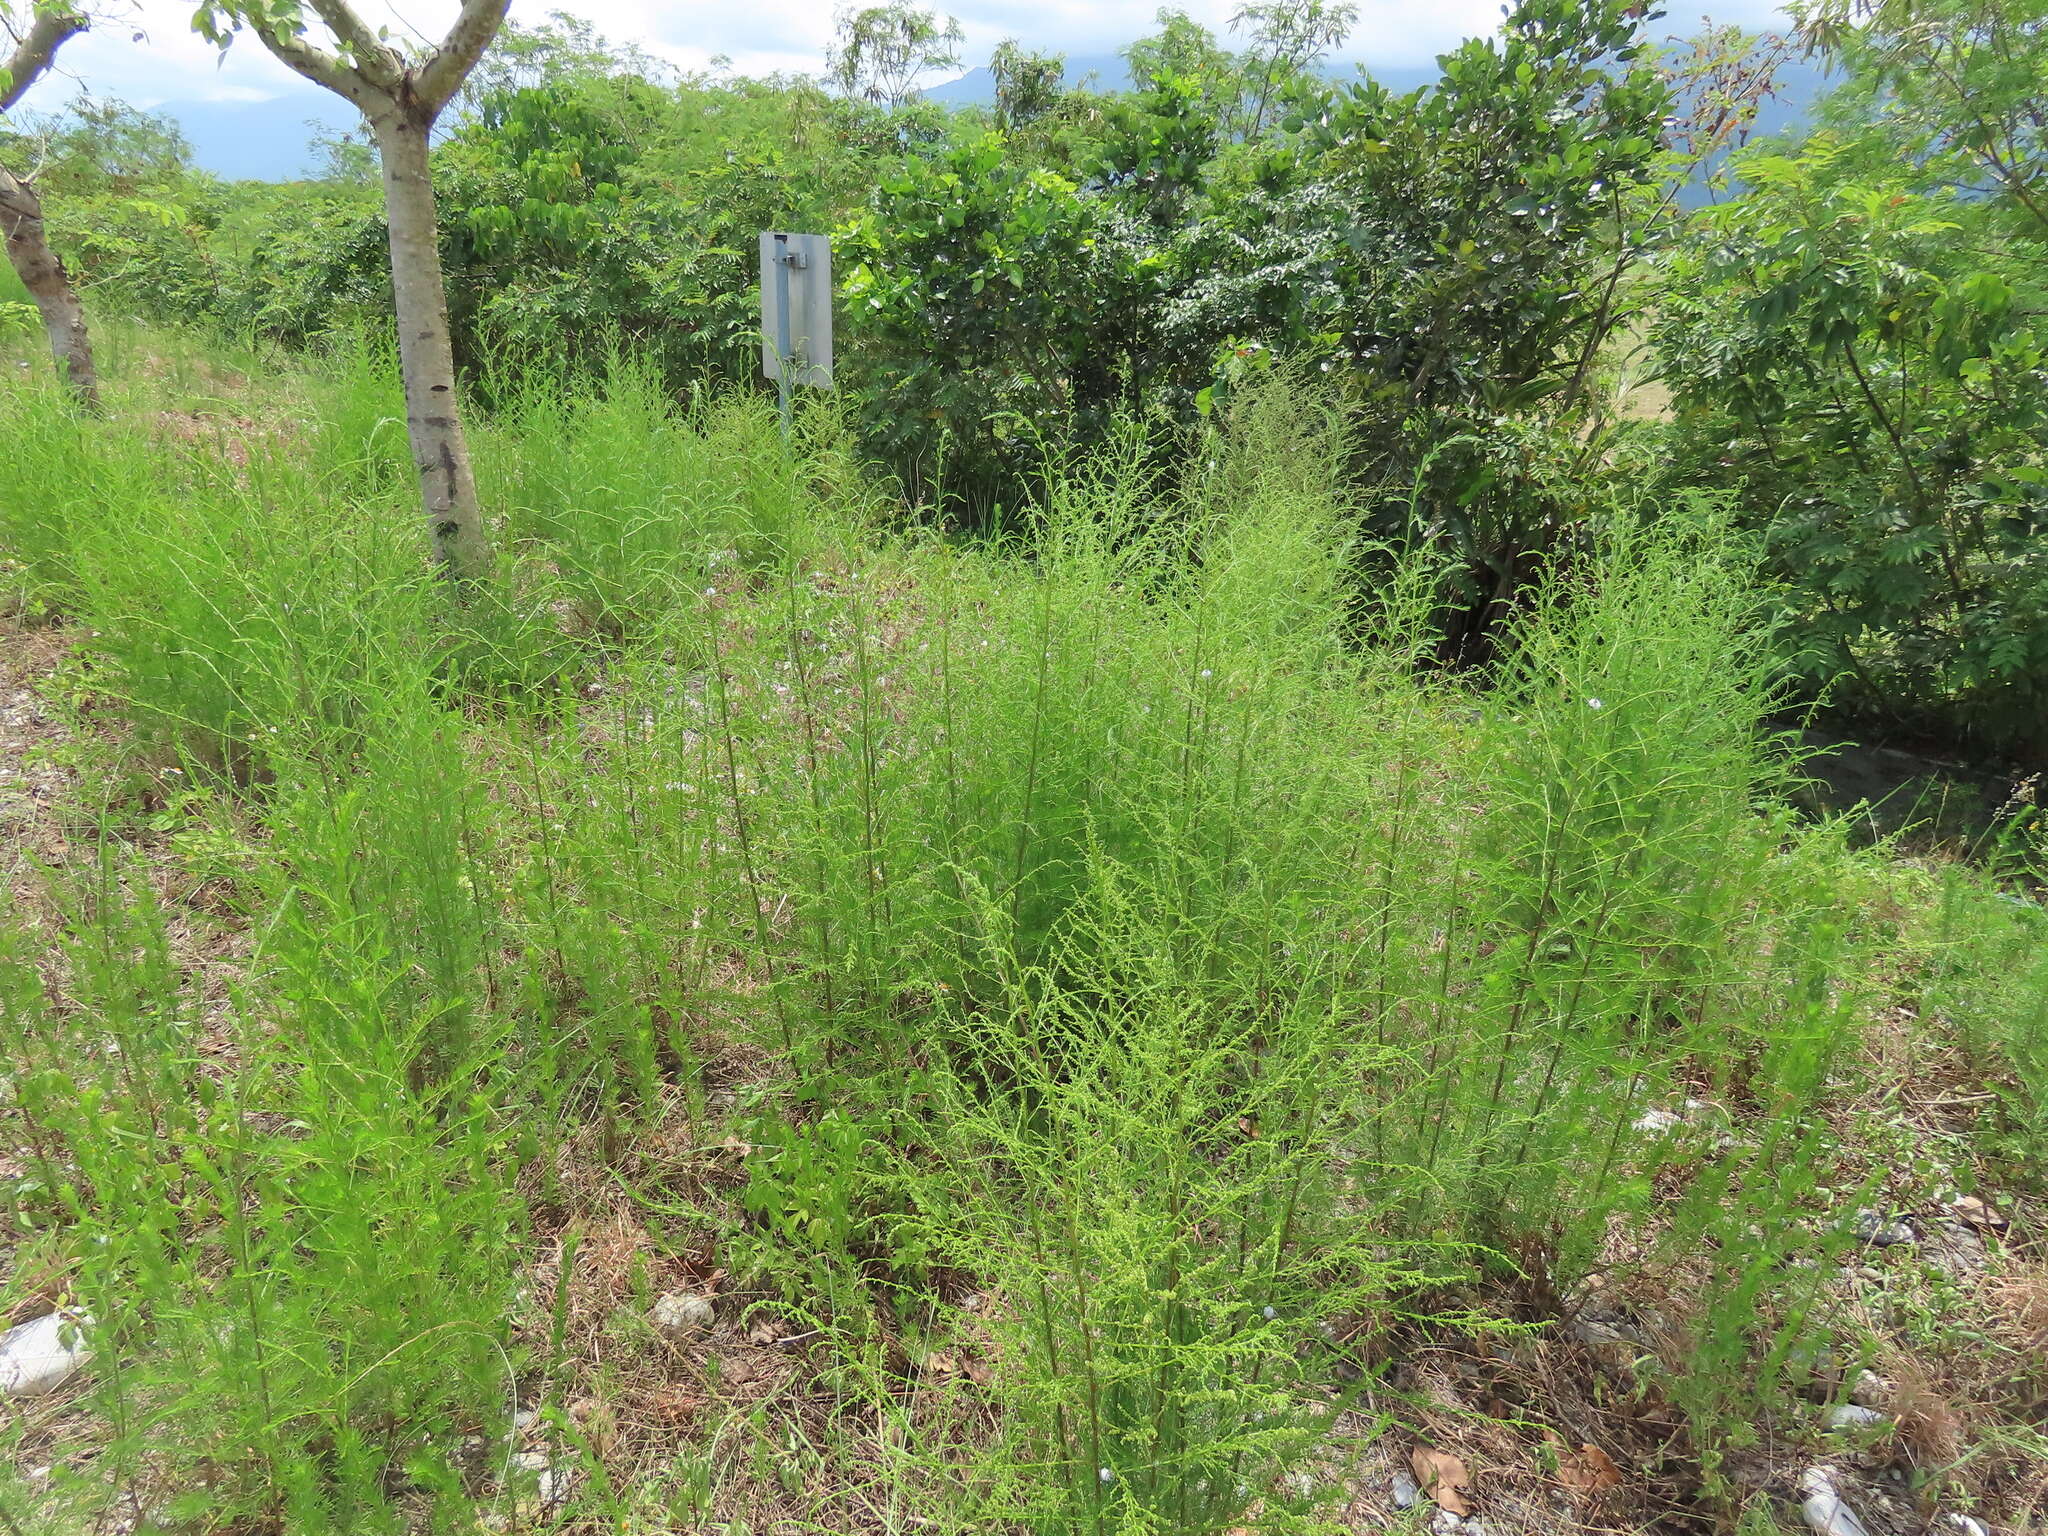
[796, 313]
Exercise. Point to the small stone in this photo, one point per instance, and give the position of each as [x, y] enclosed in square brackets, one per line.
[1600, 1331]
[1406, 1491]
[1962, 1525]
[1852, 1416]
[1814, 1360]
[1882, 1231]
[42, 1355]
[1823, 1509]
[1870, 1390]
[1654, 1122]
[1301, 1484]
[679, 1314]
[550, 1484]
[1959, 1252]
[1444, 1523]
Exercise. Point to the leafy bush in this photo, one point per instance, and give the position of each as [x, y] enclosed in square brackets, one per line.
[988, 310]
[1838, 343]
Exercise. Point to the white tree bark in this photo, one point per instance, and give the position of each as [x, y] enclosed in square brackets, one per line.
[21, 214]
[43, 275]
[426, 357]
[402, 98]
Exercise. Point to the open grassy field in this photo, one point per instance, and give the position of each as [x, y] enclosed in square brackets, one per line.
[763, 1020]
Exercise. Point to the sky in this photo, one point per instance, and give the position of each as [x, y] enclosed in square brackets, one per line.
[145, 53]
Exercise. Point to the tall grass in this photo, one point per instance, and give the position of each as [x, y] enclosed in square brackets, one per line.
[1125, 918]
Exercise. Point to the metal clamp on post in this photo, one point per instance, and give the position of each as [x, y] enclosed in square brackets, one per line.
[796, 313]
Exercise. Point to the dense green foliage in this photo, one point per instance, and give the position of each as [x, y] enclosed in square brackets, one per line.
[1849, 333]
[1860, 342]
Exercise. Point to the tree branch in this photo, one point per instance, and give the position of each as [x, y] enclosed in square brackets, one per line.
[17, 201]
[372, 59]
[48, 31]
[444, 71]
[321, 67]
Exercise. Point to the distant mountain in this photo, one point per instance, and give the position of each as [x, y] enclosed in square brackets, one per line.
[1800, 85]
[1108, 72]
[977, 88]
[260, 140]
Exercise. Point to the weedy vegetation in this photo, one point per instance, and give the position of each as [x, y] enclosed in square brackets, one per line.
[1116, 1037]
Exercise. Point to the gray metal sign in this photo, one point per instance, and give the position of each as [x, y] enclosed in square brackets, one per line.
[796, 308]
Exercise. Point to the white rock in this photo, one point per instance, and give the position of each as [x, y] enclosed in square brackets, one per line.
[41, 1356]
[678, 1314]
[550, 1483]
[1823, 1509]
[1871, 1390]
[1406, 1491]
[1881, 1231]
[1852, 1416]
[1444, 1523]
[1655, 1122]
[1963, 1525]
[1600, 1331]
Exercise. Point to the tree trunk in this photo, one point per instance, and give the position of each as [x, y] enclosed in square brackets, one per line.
[43, 275]
[426, 358]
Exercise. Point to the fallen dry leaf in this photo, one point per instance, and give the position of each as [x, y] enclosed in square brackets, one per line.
[1588, 1470]
[597, 1421]
[1443, 1477]
[1977, 1213]
[674, 1408]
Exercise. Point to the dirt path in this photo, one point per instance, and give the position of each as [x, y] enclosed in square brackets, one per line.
[34, 778]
